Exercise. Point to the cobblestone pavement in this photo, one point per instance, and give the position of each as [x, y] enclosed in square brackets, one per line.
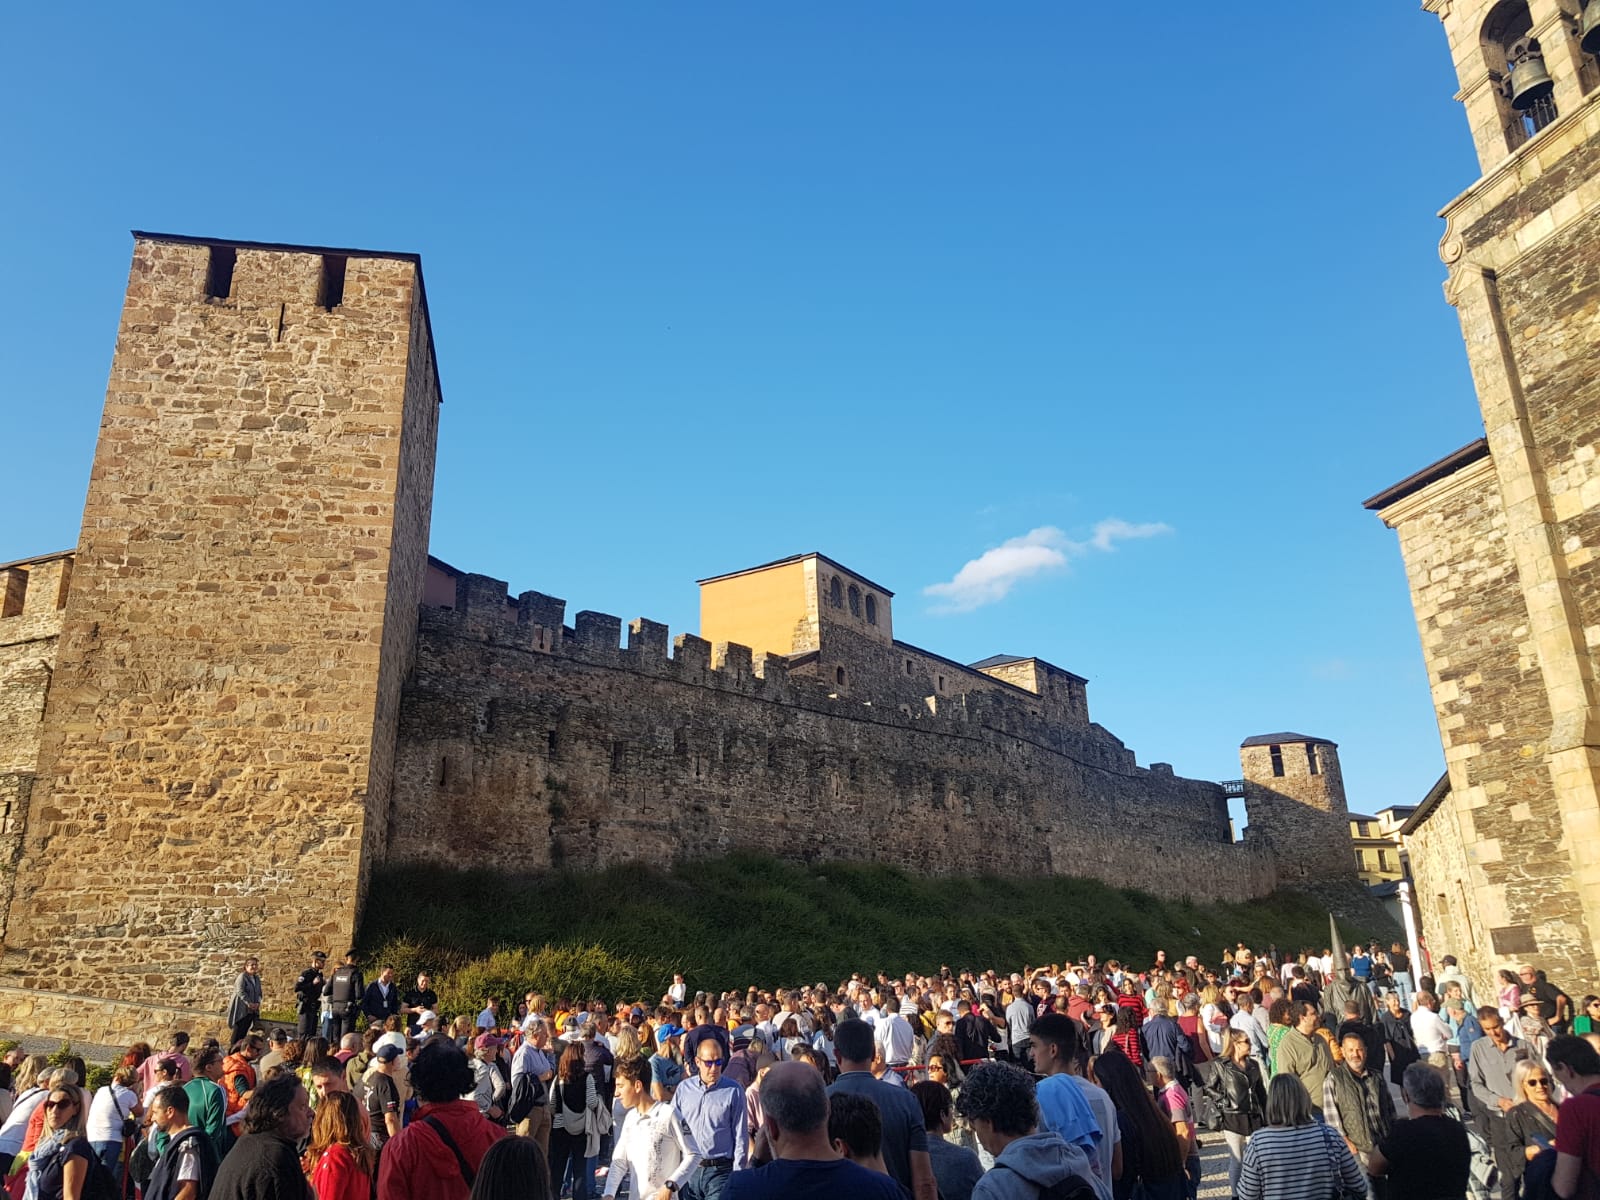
[43, 1045]
[1214, 1158]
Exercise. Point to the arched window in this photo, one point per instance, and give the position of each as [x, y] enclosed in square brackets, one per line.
[835, 593]
[855, 601]
[1517, 65]
[838, 676]
[872, 609]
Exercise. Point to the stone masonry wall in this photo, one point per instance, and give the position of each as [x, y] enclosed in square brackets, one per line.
[36, 592]
[1489, 869]
[255, 511]
[588, 754]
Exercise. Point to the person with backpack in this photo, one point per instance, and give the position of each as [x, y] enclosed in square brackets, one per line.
[63, 1164]
[437, 1155]
[188, 1166]
[999, 1102]
[528, 1110]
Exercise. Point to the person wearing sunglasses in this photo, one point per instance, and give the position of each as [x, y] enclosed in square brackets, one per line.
[1531, 1124]
[1587, 1021]
[59, 1165]
[713, 1107]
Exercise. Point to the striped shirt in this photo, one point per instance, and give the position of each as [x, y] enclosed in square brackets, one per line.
[1297, 1162]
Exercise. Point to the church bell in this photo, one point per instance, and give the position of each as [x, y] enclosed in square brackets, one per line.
[1589, 28]
[1530, 82]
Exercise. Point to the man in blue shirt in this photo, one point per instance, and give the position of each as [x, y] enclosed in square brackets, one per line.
[1162, 1037]
[714, 1110]
[905, 1140]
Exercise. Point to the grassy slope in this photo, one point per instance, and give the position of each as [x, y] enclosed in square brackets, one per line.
[744, 920]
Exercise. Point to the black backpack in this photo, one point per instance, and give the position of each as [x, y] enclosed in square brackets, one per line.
[98, 1183]
[527, 1093]
[1073, 1187]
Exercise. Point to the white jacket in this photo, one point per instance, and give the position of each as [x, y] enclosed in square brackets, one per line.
[652, 1150]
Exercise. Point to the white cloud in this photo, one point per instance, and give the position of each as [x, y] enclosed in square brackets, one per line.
[991, 576]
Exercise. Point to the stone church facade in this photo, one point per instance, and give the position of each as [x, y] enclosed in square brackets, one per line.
[249, 684]
[1501, 539]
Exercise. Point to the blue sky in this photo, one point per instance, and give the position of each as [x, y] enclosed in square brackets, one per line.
[1149, 304]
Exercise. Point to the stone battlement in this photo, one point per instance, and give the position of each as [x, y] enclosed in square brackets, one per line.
[33, 593]
[533, 621]
[591, 749]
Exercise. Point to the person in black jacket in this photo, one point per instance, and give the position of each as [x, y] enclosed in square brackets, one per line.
[344, 990]
[263, 1164]
[1399, 1042]
[308, 996]
[1234, 1081]
[381, 1000]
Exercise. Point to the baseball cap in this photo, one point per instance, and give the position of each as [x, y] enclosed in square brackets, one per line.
[426, 1015]
[388, 1052]
[486, 1041]
[666, 1032]
[319, 954]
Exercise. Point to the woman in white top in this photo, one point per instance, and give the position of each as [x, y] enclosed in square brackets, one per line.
[655, 1147]
[111, 1105]
[572, 1095]
[29, 1085]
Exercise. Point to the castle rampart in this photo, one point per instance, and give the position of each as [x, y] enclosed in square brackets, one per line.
[589, 752]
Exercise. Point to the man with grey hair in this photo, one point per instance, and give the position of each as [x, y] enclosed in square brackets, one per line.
[1427, 1155]
[531, 1074]
[998, 1101]
[805, 1164]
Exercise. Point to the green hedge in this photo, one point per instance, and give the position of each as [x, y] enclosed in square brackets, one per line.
[745, 919]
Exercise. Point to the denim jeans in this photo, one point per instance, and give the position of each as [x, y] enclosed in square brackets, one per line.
[111, 1154]
[708, 1181]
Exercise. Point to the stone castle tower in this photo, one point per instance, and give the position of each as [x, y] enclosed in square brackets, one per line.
[1501, 539]
[215, 754]
[1294, 799]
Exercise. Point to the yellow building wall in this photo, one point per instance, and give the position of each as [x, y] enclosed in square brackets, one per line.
[759, 609]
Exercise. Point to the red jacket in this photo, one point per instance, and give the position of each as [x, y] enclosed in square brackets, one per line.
[417, 1165]
[337, 1177]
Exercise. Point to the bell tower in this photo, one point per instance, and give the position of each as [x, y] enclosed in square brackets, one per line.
[1522, 65]
[1501, 539]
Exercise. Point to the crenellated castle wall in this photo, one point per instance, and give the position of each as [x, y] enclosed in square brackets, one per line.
[526, 743]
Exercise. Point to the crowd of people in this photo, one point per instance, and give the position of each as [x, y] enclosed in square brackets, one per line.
[1322, 1075]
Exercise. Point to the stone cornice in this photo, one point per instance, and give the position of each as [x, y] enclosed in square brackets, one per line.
[1424, 498]
[1515, 171]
